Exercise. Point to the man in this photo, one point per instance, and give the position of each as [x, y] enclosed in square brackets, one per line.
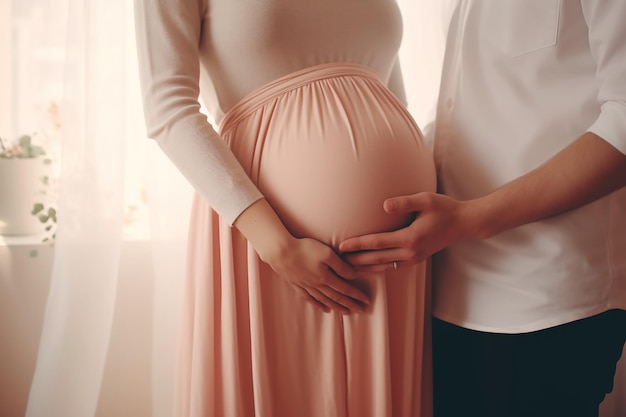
[529, 283]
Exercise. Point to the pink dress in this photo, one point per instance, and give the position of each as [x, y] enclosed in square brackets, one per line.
[325, 143]
[325, 146]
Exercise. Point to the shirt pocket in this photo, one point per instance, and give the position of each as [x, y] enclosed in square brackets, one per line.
[523, 26]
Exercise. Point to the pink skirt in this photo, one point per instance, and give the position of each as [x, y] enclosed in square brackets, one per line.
[326, 146]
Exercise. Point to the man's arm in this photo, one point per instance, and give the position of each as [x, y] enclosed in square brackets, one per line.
[585, 171]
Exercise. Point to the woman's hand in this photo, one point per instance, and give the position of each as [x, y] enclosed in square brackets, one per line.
[313, 268]
[318, 273]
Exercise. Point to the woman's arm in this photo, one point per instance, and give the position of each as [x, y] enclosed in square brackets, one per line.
[168, 36]
[396, 83]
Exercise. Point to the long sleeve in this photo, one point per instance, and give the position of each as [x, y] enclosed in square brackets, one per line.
[168, 33]
[396, 83]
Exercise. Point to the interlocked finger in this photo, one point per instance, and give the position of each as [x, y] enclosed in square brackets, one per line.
[311, 300]
[339, 297]
[327, 301]
[345, 290]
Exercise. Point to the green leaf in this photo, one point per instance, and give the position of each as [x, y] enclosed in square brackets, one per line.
[37, 208]
[43, 218]
[52, 214]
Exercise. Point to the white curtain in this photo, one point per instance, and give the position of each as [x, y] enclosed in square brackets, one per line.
[110, 175]
[82, 294]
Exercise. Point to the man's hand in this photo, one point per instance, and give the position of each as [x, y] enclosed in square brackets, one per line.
[439, 222]
[585, 171]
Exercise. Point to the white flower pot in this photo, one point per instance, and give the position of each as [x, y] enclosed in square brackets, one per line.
[21, 187]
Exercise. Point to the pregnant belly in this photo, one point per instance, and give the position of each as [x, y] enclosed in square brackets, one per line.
[331, 156]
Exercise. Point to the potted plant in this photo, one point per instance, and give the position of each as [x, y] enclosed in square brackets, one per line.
[25, 188]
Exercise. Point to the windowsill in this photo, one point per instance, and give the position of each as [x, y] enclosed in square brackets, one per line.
[23, 240]
[136, 232]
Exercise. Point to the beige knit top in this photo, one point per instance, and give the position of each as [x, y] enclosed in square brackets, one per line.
[222, 50]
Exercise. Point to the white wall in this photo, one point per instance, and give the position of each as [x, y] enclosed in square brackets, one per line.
[6, 71]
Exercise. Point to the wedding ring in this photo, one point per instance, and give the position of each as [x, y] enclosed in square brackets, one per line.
[395, 265]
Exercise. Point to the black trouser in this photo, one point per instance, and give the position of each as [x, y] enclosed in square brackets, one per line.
[562, 371]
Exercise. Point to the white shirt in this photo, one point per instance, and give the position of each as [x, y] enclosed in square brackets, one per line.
[522, 80]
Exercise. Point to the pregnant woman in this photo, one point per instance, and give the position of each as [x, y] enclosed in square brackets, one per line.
[311, 137]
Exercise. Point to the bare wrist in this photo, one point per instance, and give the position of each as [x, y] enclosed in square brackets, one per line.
[262, 228]
[478, 219]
